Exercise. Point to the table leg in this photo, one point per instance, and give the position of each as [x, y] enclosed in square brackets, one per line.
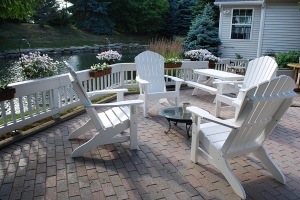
[188, 129]
[166, 132]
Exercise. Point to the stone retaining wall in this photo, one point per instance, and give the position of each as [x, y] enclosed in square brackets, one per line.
[72, 50]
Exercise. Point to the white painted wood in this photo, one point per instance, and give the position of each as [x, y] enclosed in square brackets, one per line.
[51, 86]
[258, 70]
[109, 123]
[151, 79]
[261, 110]
[214, 75]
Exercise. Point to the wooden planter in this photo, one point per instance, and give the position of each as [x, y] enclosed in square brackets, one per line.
[96, 74]
[7, 94]
[211, 65]
[173, 65]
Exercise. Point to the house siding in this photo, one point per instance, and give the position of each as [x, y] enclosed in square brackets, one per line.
[282, 27]
[246, 48]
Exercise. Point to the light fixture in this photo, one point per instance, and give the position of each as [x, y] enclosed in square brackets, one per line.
[226, 12]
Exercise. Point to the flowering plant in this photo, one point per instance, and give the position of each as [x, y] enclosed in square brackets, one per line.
[109, 56]
[173, 60]
[35, 65]
[211, 58]
[99, 67]
[200, 54]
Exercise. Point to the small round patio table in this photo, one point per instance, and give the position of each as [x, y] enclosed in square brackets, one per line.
[176, 115]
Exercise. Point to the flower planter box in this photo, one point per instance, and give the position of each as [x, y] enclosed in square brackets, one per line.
[107, 71]
[7, 94]
[173, 65]
[95, 74]
[211, 64]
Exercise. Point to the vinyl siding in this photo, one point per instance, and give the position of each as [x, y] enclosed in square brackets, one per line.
[282, 27]
[246, 48]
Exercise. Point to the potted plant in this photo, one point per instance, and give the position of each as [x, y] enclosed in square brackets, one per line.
[173, 63]
[171, 50]
[212, 60]
[97, 70]
[6, 92]
[109, 56]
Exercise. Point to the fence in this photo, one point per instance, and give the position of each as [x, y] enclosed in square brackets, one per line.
[38, 99]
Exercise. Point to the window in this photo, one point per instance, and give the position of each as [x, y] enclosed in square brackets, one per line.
[241, 24]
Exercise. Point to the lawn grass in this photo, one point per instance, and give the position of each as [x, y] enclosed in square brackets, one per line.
[59, 37]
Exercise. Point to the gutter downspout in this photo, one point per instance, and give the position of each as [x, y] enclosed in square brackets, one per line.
[220, 21]
[261, 28]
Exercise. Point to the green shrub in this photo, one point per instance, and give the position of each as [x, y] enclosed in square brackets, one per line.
[284, 58]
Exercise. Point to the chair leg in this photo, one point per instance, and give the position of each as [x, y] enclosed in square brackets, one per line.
[133, 127]
[223, 166]
[262, 155]
[195, 138]
[145, 108]
[217, 108]
[91, 144]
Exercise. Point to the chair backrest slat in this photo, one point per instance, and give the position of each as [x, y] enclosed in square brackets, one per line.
[261, 110]
[259, 70]
[150, 67]
[84, 98]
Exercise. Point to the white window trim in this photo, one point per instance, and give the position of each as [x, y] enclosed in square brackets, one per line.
[253, 10]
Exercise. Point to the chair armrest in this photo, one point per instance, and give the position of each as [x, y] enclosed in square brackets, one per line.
[174, 78]
[116, 104]
[206, 115]
[141, 81]
[107, 91]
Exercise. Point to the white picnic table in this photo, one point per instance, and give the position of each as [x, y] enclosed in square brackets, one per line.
[214, 76]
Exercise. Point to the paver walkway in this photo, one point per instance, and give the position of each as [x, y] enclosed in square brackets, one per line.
[40, 167]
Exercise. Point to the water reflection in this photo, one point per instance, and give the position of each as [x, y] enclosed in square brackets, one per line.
[9, 72]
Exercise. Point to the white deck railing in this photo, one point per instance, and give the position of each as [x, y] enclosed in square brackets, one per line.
[38, 99]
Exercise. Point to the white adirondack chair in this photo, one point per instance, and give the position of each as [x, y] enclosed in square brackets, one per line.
[150, 76]
[109, 123]
[258, 71]
[262, 108]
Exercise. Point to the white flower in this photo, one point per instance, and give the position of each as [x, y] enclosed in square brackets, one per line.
[35, 65]
[109, 55]
[201, 54]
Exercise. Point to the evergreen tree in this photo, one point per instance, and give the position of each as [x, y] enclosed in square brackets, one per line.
[91, 15]
[172, 20]
[203, 34]
[200, 5]
[185, 15]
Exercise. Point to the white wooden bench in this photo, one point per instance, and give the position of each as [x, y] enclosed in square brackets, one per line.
[201, 86]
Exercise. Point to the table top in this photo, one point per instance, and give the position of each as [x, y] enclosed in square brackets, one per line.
[175, 112]
[295, 65]
[225, 76]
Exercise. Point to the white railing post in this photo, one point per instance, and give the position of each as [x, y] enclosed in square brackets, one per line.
[55, 102]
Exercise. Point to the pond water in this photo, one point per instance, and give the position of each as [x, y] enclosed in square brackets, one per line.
[9, 71]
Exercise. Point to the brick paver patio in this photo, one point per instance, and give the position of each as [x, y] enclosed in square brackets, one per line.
[40, 167]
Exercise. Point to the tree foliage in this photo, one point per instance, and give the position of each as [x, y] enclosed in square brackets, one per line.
[172, 20]
[200, 5]
[17, 9]
[185, 15]
[203, 34]
[92, 15]
[138, 15]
